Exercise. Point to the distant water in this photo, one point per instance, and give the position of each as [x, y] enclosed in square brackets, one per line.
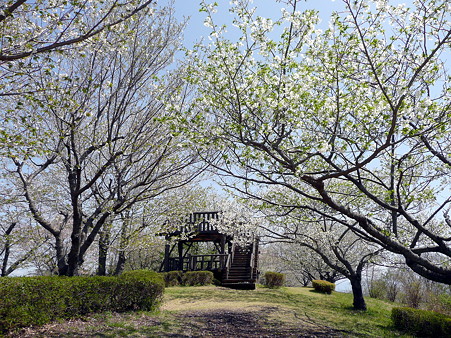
[343, 285]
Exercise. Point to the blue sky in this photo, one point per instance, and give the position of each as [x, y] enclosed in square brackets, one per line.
[266, 8]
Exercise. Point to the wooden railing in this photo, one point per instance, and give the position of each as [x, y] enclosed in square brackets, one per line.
[207, 262]
[198, 222]
[254, 257]
[229, 261]
[199, 262]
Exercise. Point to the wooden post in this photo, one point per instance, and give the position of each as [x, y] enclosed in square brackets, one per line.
[180, 247]
[222, 246]
[166, 257]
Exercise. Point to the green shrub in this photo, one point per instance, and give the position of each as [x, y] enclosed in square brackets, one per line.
[173, 278]
[274, 279]
[444, 301]
[139, 290]
[323, 286]
[412, 293]
[377, 289]
[26, 301]
[421, 323]
[192, 278]
[30, 301]
[189, 278]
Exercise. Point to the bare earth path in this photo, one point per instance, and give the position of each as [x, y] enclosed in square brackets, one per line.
[217, 323]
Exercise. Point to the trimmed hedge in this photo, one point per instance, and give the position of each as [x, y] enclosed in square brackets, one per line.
[189, 278]
[274, 279]
[421, 323]
[323, 286]
[173, 278]
[192, 278]
[26, 301]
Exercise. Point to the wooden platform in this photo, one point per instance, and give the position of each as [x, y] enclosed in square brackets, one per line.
[233, 265]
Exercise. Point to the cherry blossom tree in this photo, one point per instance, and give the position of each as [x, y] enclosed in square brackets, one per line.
[355, 117]
[107, 147]
[43, 26]
[325, 233]
[34, 35]
[300, 264]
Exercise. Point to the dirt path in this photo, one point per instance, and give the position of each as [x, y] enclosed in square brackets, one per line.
[222, 323]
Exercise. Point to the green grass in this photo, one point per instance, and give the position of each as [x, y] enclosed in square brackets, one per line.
[336, 310]
[333, 310]
[282, 310]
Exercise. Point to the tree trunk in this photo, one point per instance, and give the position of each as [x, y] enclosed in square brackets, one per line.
[394, 214]
[104, 244]
[123, 244]
[357, 291]
[73, 257]
[74, 180]
[5, 258]
[60, 256]
[7, 249]
[120, 263]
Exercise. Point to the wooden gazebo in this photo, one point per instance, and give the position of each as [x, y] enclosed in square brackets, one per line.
[233, 265]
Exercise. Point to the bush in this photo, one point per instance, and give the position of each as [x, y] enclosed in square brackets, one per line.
[421, 323]
[323, 286]
[274, 279]
[189, 278]
[139, 290]
[444, 301]
[412, 293]
[173, 278]
[192, 278]
[377, 289]
[26, 301]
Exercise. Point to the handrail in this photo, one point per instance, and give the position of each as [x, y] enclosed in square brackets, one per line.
[199, 222]
[198, 262]
[230, 260]
[252, 259]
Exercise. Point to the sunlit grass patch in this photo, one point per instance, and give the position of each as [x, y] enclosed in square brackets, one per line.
[290, 306]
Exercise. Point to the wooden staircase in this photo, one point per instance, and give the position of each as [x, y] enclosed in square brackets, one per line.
[241, 272]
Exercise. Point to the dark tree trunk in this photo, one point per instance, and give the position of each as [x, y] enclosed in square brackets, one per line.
[357, 291]
[123, 244]
[5, 258]
[7, 249]
[60, 256]
[104, 245]
[120, 263]
[394, 214]
[73, 258]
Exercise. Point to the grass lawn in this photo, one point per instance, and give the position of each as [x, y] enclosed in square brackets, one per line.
[215, 311]
[294, 304]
